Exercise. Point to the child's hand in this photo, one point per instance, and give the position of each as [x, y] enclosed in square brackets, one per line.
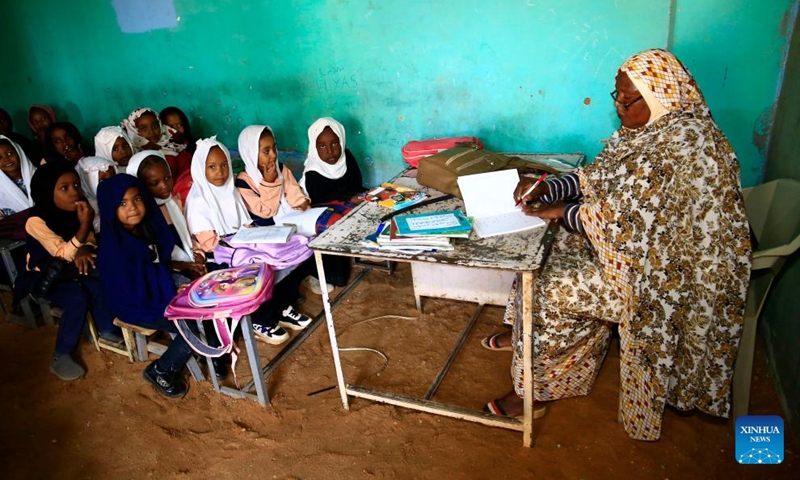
[357, 200]
[303, 206]
[269, 172]
[182, 287]
[84, 259]
[192, 269]
[85, 212]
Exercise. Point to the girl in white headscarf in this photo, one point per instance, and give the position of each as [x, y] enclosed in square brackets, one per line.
[92, 171]
[15, 179]
[213, 210]
[266, 185]
[152, 169]
[146, 131]
[113, 143]
[331, 172]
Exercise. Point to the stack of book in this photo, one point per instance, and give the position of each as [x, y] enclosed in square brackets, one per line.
[421, 232]
[394, 196]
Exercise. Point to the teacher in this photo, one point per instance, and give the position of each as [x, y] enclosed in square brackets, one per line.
[656, 240]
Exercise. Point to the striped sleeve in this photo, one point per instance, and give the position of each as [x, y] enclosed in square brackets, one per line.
[571, 218]
[567, 187]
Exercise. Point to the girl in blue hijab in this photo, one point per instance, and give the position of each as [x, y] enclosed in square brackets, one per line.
[134, 261]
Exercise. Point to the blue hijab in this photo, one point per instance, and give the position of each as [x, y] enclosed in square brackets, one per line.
[137, 288]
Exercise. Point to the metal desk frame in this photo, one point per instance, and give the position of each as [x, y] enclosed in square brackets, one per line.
[502, 252]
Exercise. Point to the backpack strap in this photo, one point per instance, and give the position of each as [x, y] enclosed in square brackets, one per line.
[223, 331]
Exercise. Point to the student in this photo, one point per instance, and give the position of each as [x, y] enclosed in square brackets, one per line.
[331, 175]
[134, 261]
[15, 181]
[113, 143]
[174, 118]
[60, 240]
[214, 211]
[153, 171]
[147, 133]
[330, 172]
[92, 171]
[63, 143]
[267, 186]
[7, 130]
[40, 117]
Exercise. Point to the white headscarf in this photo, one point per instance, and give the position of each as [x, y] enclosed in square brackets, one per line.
[209, 207]
[248, 149]
[104, 143]
[316, 164]
[10, 194]
[164, 140]
[89, 169]
[185, 254]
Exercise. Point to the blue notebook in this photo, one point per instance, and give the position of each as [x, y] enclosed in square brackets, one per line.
[451, 221]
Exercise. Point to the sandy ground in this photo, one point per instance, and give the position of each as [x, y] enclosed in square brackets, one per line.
[111, 424]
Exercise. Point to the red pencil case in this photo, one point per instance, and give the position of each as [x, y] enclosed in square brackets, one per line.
[414, 150]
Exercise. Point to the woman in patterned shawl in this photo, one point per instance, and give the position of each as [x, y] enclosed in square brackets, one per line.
[656, 240]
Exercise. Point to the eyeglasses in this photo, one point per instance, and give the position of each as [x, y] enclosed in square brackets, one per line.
[624, 105]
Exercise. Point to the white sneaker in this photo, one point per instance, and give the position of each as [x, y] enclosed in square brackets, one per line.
[272, 335]
[314, 285]
[293, 319]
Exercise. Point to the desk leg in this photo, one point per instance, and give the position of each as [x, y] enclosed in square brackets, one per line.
[331, 330]
[527, 355]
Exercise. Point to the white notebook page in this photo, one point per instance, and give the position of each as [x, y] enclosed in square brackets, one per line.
[489, 199]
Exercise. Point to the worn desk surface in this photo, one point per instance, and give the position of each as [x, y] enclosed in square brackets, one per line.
[522, 251]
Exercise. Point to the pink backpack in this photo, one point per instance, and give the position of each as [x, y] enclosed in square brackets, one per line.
[217, 296]
[415, 150]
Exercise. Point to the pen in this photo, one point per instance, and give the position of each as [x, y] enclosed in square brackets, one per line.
[528, 191]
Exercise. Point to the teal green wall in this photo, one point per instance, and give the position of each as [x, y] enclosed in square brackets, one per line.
[780, 322]
[523, 75]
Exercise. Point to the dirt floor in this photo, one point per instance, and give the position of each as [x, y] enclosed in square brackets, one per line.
[111, 424]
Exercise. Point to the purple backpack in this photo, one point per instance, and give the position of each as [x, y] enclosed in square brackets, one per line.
[277, 255]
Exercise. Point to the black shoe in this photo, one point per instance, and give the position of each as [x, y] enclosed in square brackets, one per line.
[169, 384]
[220, 368]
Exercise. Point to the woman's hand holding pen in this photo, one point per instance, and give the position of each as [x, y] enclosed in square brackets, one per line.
[525, 183]
[544, 211]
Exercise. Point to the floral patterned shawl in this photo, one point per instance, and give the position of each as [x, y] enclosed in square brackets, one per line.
[663, 209]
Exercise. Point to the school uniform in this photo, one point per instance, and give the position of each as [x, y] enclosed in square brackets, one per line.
[51, 234]
[136, 267]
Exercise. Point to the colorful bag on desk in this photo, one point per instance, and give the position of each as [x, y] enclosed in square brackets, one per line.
[277, 255]
[441, 171]
[416, 150]
[221, 296]
[333, 212]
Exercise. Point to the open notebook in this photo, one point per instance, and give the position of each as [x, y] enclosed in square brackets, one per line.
[489, 199]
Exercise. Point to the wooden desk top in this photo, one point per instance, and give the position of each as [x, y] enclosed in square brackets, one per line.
[522, 251]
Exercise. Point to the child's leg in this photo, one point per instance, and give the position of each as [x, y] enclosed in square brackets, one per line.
[74, 302]
[103, 318]
[178, 352]
[337, 269]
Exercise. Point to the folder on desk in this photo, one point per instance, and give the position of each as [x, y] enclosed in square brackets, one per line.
[489, 200]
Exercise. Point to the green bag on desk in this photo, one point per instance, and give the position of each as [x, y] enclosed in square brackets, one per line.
[441, 171]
